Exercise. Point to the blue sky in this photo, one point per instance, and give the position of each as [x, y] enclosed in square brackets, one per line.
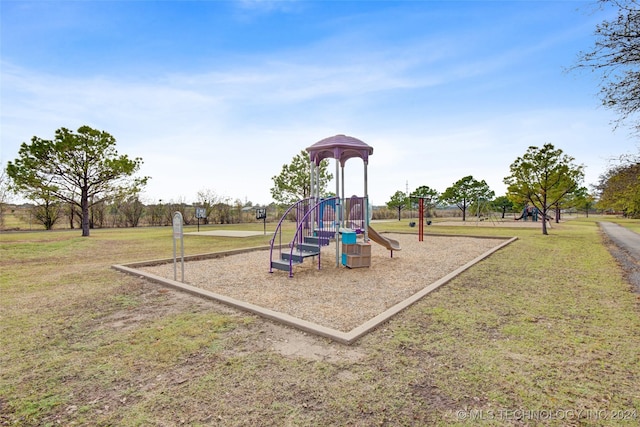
[218, 95]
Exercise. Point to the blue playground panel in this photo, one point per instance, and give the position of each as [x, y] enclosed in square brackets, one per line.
[349, 237]
[328, 204]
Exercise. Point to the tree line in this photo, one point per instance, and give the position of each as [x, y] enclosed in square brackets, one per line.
[80, 177]
[131, 212]
[544, 178]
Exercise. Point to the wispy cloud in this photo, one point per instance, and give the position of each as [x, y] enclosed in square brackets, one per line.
[440, 92]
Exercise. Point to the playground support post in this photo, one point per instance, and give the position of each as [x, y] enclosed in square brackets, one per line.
[366, 202]
[421, 220]
[421, 214]
[312, 194]
[339, 205]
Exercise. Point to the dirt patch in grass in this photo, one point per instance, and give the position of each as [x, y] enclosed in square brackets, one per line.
[153, 302]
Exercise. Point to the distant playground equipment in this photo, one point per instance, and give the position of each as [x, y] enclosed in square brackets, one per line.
[485, 212]
[529, 211]
[320, 221]
[534, 213]
[421, 215]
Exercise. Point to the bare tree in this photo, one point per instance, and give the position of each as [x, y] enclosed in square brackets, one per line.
[4, 194]
[616, 58]
[179, 206]
[132, 210]
[207, 199]
[156, 214]
[48, 211]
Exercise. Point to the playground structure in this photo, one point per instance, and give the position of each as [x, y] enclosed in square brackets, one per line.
[529, 211]
[319, 221]
[484, 211]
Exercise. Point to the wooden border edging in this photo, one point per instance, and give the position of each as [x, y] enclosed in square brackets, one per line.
[339, 336]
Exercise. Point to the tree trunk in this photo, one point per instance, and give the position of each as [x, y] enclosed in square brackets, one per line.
[84, 203]
[545, 209]
[399, 211]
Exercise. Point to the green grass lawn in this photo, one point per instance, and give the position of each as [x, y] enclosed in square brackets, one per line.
[543, 332]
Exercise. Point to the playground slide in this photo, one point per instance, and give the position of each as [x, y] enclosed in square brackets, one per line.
[390, 244]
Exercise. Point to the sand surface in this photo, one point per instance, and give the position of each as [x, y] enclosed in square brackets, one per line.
[336, 297]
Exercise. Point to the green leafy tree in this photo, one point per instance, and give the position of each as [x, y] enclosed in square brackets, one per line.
[398, 202]
[80, 168]
[582, 200]
[466, 191]
[615, 59]
[503, 204]
[573, 200]
[619, 187]
[543, 177]
[294, 183]
[431, 197]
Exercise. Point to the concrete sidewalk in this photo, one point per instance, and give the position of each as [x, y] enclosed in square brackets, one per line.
[626, 250]
[624, 238]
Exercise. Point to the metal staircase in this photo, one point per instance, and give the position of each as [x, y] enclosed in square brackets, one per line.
[316, 226]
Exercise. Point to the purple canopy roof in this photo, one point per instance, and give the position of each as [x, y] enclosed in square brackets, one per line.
[341, 148]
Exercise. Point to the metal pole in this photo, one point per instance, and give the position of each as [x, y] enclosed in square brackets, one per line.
[339, 201]
[317, 168]
[175, 271]
[421, 221]
[182, 255]
[312, 192]
[178, 233]
[366, 204]
[311, 183]
[345, 215]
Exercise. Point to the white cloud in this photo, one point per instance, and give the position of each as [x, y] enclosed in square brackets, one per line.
[435, 106]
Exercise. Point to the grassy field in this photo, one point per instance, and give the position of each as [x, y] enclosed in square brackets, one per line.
[544, 332]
